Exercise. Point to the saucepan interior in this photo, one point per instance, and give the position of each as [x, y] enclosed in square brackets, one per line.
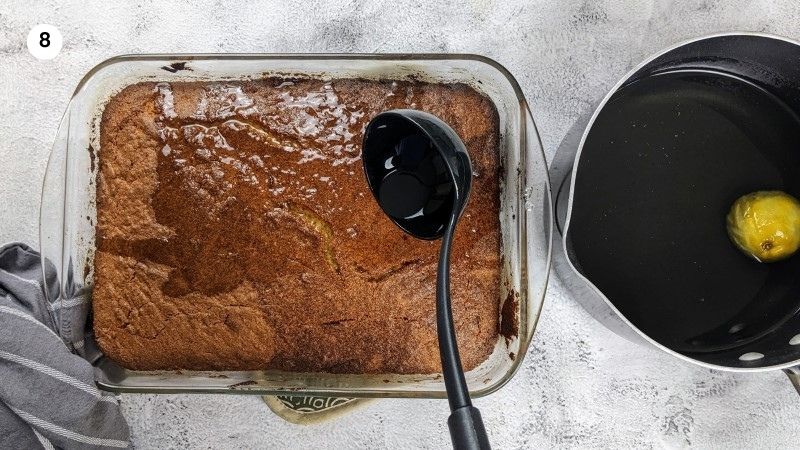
[663, 159]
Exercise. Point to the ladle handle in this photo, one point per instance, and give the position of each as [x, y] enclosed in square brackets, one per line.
[466, 429]
[794, 376]
[454, 381]
[465, 423]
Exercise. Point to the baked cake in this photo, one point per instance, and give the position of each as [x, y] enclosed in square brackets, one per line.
[236, 231]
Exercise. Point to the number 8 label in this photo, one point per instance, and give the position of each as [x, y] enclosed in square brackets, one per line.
[44, 41]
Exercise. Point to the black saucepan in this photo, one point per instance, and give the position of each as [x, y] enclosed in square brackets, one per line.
[659, 164]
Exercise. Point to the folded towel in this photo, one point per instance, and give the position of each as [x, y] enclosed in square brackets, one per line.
[47, 393]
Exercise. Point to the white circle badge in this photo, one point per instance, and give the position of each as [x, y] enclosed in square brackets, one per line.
[44, 41]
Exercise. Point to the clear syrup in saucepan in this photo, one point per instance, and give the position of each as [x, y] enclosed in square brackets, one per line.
[661, 166]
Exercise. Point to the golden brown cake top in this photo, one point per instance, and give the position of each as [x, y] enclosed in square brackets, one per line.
[247, 202]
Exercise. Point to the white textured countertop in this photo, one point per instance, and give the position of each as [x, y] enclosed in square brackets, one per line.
[581, 386]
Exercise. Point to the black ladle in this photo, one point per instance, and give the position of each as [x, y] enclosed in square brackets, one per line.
[419, 172]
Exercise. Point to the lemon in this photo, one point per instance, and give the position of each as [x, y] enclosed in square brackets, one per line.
[765, 225]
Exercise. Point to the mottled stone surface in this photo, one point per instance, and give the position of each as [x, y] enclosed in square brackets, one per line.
[581, 386]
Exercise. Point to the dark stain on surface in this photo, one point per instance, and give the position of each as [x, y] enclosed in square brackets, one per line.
[176, 66]
[92, 158]
[509, 320]
[589, 15]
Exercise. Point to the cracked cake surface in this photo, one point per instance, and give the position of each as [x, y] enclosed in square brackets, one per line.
[236, 231]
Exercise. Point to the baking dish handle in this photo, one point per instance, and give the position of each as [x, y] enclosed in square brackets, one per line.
[794, 376]
[537, 210]
[52, 210]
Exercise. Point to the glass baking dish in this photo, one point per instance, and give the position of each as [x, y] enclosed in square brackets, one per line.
[67, 222]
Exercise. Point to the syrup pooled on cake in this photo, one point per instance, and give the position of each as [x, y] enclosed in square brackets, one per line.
[236, 231]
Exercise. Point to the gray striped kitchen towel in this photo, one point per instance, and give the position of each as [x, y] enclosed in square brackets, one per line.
[48, 398]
